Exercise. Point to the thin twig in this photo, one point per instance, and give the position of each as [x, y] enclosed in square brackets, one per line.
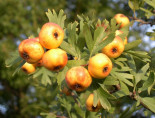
[141, 21]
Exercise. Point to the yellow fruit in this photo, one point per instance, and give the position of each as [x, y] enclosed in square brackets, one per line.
[121, 18]
[89, 104]
[118, 32]
[115, 48]
[28, 68]
[99, 66]
[51, 35]
[55, 59]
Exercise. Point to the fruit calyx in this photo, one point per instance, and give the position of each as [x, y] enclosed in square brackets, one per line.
[105, 69]
[55, 35]
[25, 55]
[114, 50]
[57, 67]
[94, 108]
[78, 86]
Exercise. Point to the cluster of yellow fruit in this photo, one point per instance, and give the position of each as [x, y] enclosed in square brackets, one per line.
[99, 66]
[32, 50]
[77, 78]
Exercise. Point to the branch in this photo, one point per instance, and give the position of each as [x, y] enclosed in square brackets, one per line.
[134, 97]
[74, 97]
[141, 21]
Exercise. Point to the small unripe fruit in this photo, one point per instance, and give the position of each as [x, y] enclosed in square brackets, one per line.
[121, 18]
[39, 63]
[99, 66]
[118, 32]
[78, 78]
[28, 68]
[115, 48]
[55, 59]
[66, 90]
[31, 50]
[89, 104]
[51, 35]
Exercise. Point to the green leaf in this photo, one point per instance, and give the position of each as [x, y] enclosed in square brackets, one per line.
[110, 81]
[44, 74]
[61, 75]
[48, 115]
[134, 4]
[141, 73]
[131, 45]
[106, 92]
[140, 54]
[72, 63]
[99, 35]
[71, 31]
[122, 78]
[108, 40]
[131, 64]
[68, 48]
[14, 58]
[149, 102]
[151, 3]
[95, 99]
[122, 69]
[88, 37]
[19, 67]
[104, 101]
[58, 19]
[66, 104]
[148, 13]
[148, 83]
[124, 91]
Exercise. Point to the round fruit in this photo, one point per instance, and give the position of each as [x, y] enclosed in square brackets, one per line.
[28, 68]
[89, 104]
[31, 50]
[115, 48]
[78, 78]
[121, 18]
[118, 32]
[99, 66]
[51, 35]
[55, 59]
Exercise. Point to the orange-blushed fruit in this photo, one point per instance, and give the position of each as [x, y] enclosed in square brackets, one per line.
[121, 18]
[118, 32]
[115, 48]
[39, 63]
[51, 35]
[89, 104]
[31, 50]
[55, 59]
[78, 78]
[99, 66]
[28, 68]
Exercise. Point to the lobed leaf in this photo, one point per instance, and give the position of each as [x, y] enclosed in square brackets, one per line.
[72, 63]
[88, 37]
[61, 75]
[149, 102]
[58, 19]
[148, 83]
[14, 58]
[132, 45]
